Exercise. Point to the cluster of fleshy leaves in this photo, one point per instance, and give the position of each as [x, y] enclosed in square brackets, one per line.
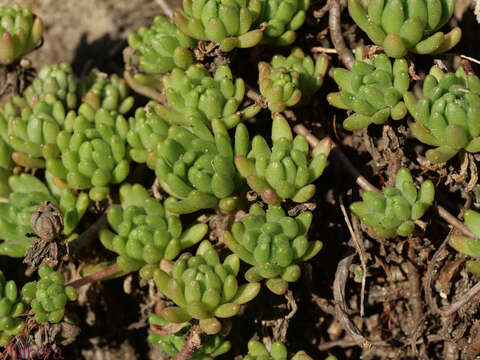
[292, 80]
[196, 166]
[285, 171]
[237, 23]
[195, 93]
[48, 296]
[161, 48]
[204, 288]
[20, 33]
[448, 114]
[27, 192]
[373, 89]
[400, 27]
[11, 306]
[93, 151]
[467, 245]
[147, 130]
[273, 244]
[212, 346]
[53, 82]
[393, 211]
[278, 351]
[145, 233]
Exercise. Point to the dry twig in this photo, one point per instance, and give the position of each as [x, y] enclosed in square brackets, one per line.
[334, 24]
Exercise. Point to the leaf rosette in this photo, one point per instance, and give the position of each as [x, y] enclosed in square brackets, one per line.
[373, 89]
[196, 166]
[448, 115]
[20, 33]
[204, 288]
[285, 171]
[402, 26]
[195, 93]
[144, 233]
[274, 244]
[393, 211]
[291, 80]
[48, 296]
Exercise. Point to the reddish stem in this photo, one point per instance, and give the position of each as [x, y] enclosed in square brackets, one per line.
[99, 275]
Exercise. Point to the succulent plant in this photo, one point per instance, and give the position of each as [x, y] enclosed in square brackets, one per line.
[213, 345]
[469, 246]
[20, 33]
[282, 18]
[291, 80]
[144, 233]
[400, 26]
[447, 116]
[27, 192]
[284, 172]
[93, 152]
[273, 243]
[227, 22]
[194, 93]
[373, 90]
[49, 295]
[31, 132]
[146, 131]
[393, 211]
[11, 306]
[108, 92]
[197, 167]
[161, 47]
[204, 288]
[278, 351]
[54, 82]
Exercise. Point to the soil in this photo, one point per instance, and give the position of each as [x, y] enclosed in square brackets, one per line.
[408, 279]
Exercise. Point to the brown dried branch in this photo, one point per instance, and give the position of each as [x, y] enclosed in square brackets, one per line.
[192, 344]
[361, 253]
[334, 24]
[341, 312]
[88, 236]
[452, 308]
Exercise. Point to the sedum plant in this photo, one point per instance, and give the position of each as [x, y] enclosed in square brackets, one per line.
[49, 295]
[31, 132]
[213, 345]
[93, 152]
[146, 131]
[204, 288]
[448, 115]
[393, 211]
[373, 89]
[195, 93]
[20, 33]
[291, 80]
[27, 192]
[197, 167]
[282, 18]
[161, 48]
[400, 27]
[145, 233]
[469, 246]
[273, 244]
[54, 82]
[231, 23]
[278, 351]
[108, 92]
[287, 170]
[11, 307]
